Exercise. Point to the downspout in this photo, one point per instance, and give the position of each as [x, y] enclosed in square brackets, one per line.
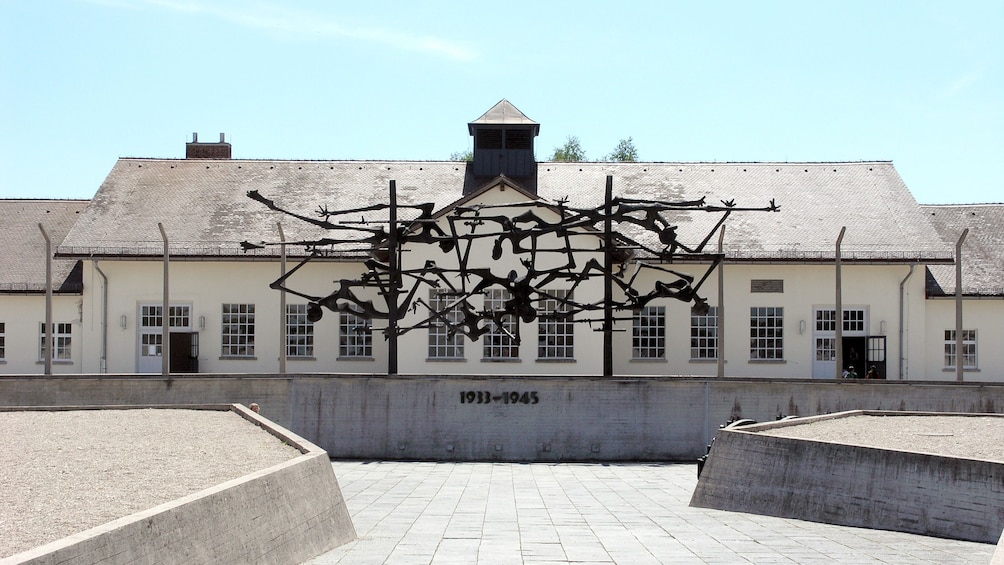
[902, 322]
[103, 362]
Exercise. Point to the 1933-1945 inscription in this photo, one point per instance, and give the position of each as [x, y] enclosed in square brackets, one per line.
[486, 397]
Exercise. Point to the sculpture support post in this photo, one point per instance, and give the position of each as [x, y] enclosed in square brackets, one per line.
[282, 302]
[838, 340]
[165, 329]
[958, 306]
[721, 305]
[47, 334]
[608, 273]
[395, 280]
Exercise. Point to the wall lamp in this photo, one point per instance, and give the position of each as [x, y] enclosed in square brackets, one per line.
[801, 326]
[123, 322]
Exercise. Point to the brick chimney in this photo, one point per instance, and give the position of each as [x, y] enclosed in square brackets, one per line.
[196, 150]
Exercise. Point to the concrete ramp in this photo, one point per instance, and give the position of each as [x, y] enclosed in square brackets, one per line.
[817, 477]
[283, 514]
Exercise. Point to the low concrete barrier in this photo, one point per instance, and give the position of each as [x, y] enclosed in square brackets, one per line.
[285, 514]
[477, 418]
[950, 497]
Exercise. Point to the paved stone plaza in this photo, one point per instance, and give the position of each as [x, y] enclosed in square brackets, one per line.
[488, 513]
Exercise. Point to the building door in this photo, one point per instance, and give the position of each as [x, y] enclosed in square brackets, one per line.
[876, 355]
[855, 342]
[150, 342]
[184, 352]
[855, 351]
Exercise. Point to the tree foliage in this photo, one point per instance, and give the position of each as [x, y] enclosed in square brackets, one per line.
[624, 151]
[571, 151]
[467, 155]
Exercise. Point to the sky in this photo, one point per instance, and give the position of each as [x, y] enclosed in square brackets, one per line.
[918, 83]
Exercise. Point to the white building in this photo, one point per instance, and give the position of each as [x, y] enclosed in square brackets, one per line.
[775, 319]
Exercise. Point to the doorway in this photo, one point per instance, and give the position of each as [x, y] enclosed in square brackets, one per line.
[150, 339]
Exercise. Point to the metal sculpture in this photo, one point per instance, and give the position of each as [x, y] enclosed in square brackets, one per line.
[533, 239]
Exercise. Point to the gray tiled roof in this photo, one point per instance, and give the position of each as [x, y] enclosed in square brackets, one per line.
[205, 210]
[22, 251]
[982, 251]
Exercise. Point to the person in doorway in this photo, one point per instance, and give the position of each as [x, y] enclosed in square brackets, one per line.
[872, 373]
[850, 373]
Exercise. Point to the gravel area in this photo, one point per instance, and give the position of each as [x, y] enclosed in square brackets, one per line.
[972, 437]
[67, 471]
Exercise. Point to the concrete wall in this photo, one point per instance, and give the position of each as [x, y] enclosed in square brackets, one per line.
[559, 419]
[856, 486]
[285, 514]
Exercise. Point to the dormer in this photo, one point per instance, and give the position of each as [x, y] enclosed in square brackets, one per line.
[503, 142]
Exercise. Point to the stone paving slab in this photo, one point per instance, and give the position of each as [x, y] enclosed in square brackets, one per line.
[541, 513]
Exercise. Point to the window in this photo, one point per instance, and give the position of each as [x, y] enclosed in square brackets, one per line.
[704, 335]
[178, 316]
[766, 333]
[3, 342]
[299, 332]
[555, 332]
[60, 345]
[826, 348]
[238, 330]
[152, 343]
[500, 341]
[854, 320]
[443, 344]
[968, 349]
[826, 321]
[355, 337]
[648, 333]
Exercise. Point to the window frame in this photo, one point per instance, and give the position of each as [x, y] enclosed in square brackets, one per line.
[355, 337]
[555, 327]
[644, 345]
[970, 337]
[299, 332]
[499, 342]
[61, 346]
[237, 331]
[704, 347]
[442, 346]
[766, 334]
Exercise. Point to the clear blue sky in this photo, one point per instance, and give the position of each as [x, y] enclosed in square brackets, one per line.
[83, 82]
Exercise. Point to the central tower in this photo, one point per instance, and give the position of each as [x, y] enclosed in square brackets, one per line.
[503, 143]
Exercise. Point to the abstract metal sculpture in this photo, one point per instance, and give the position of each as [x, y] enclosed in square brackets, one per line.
[540, 237]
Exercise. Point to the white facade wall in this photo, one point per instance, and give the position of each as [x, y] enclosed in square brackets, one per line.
[22, 317]
[986, 316]
[206, 285]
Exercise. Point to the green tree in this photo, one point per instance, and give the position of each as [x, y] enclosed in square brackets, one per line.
[462, 155]
[570, 151]
[624, 151]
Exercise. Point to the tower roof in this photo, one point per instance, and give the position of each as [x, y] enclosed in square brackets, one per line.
[504, 113]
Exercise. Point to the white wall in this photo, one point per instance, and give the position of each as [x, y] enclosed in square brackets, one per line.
[986, 316]
[207, 285]
[23, 316]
